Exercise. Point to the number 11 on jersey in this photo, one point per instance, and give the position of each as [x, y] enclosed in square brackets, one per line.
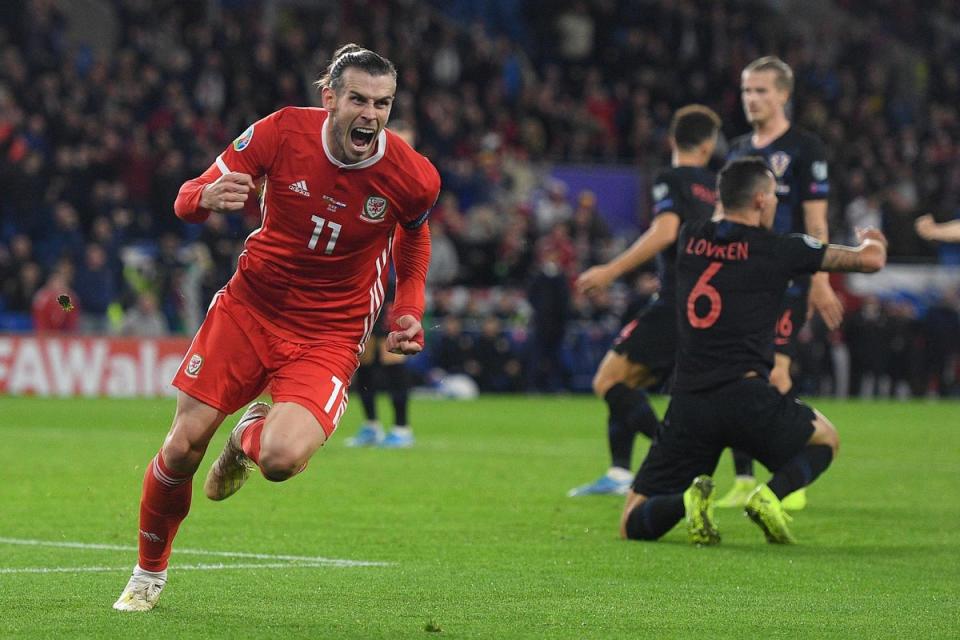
[318, 229]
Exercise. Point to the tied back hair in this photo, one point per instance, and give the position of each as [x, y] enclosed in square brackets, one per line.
[355, 56]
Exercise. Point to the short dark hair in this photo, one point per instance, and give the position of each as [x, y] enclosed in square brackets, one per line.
[784, 79]
[353, 55]
[692, 125]
[740, 179]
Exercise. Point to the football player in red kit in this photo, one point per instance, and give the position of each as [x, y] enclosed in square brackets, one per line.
[342, 196]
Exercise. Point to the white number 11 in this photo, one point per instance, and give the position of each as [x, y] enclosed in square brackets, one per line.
[318, 229]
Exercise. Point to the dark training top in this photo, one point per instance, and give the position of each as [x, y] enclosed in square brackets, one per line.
[798, 160]
[690, 193]
[730, 281]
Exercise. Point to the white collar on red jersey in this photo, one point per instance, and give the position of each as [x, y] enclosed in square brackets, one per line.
[372, 160]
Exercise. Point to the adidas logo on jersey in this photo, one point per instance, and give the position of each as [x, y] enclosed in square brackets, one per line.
[300, 186]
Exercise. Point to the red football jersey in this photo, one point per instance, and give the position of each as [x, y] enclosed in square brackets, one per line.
[317, 266]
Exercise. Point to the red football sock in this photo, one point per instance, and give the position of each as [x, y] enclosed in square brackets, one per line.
[164, 504]
[250, 440]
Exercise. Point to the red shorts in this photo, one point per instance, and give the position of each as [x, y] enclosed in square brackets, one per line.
[233, 359]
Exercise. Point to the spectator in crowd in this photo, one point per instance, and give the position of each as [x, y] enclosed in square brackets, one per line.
[145, 319]
[51, 313]
[549, 296]
[552, 208]
[97, 287]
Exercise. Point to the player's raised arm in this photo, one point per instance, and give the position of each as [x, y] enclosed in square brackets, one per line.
[661, 234]
[868, 257]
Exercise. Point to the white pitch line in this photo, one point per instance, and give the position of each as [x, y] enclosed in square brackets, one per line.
[317, 560]
[179, 567]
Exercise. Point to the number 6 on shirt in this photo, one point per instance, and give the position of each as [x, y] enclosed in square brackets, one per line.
[703, 289]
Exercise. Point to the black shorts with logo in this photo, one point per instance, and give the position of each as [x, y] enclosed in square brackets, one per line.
[748, 414]
[650, 339]
[792, 317]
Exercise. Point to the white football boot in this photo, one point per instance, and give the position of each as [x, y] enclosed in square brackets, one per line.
[142, 591]
[233, 467]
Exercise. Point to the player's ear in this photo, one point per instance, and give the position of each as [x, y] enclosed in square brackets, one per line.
[328, 97]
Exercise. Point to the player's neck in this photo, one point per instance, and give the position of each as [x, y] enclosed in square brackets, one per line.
[766, 132]
[750, 219]
[689, 159]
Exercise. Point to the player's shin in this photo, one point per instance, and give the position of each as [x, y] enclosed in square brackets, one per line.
[629, 413]
[654, 517]
[250, 440]
[801, 470]
[164, 504]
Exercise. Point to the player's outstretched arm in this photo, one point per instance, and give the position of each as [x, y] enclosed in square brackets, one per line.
[928, 229]
[661, 234]
[868, 257]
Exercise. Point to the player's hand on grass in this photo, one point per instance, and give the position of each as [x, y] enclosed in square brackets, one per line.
[407, 336]
[825, 302]
[228, 193]
[594, 279]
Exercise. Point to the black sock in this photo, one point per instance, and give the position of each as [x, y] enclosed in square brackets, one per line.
[742, 463]
[366, 383]
[641, 416]
[630, 413]
[655, 517]
[619, 435]
[396, 376]
[802, 470]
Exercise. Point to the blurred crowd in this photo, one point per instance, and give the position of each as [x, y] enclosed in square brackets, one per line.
[96, 140]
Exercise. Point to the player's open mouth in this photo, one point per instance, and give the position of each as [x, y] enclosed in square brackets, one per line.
[362, 137]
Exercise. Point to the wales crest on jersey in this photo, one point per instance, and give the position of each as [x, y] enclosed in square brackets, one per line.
[374, 208]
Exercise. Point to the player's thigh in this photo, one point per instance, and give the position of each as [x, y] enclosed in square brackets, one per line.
[291, 435]
[648, 344]
[317, 380]
[224, 366]
[617, 368]
[687, 445]
[771, 427]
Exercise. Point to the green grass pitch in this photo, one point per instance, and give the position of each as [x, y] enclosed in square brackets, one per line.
[478, 536]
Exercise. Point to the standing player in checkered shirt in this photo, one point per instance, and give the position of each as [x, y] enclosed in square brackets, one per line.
[798, 160]
[342, 197]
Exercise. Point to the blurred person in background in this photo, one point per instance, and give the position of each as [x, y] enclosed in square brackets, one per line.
[51, 313]
[145, 320]
[96, 285]
[549, 294]
[643, 355]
